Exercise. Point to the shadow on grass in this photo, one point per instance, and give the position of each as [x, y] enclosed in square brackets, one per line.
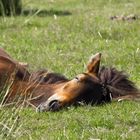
[43, 13]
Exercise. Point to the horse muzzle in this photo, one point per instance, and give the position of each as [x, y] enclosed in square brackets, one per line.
[52, 104]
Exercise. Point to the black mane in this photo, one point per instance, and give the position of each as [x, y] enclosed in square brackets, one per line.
[43, 76]
[117, 82]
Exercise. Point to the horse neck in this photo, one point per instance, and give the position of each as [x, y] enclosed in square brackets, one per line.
[33, 92]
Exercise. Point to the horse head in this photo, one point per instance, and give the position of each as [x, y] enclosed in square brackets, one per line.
[85, 87]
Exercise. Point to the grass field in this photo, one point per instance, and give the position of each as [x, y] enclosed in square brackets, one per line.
[61, 35]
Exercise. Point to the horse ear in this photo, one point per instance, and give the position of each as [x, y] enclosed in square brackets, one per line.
[94, 64]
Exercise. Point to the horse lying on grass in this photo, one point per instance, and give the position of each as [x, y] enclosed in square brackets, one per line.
[51, 91]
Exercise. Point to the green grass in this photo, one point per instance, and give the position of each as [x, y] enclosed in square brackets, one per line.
[64, 43]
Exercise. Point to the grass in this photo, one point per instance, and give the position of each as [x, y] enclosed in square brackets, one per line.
[61, 38]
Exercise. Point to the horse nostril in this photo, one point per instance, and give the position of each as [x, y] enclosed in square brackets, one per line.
[54, 105]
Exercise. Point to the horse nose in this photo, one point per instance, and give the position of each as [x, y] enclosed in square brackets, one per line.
[48, 106]
[54, 105]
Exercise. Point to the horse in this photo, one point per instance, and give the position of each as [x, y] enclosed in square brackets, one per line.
[47, 91]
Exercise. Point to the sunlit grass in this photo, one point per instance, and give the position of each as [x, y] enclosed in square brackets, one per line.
[64, 43]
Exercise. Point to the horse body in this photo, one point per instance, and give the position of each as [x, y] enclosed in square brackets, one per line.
[51, 91]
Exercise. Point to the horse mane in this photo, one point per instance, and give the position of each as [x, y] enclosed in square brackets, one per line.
[45, 77]
[117, 82]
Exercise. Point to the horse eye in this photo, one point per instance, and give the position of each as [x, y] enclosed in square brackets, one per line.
[77, 79]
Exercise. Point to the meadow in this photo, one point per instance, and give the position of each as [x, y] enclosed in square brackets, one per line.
[61, 35]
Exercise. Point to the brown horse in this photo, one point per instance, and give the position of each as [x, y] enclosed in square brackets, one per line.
[51, 91]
